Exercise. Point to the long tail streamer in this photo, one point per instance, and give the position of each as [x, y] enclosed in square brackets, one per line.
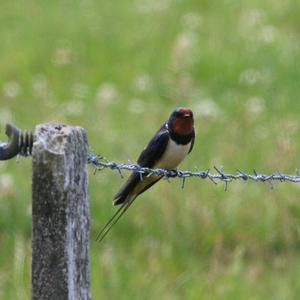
[113, 220]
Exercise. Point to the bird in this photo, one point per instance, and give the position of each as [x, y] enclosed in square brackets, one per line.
[173, 141]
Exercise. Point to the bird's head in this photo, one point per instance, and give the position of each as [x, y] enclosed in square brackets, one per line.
[181, 121]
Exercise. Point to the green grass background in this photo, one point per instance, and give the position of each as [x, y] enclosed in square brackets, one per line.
[118, 68]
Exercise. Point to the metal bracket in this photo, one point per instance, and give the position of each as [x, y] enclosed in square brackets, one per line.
[18, 143]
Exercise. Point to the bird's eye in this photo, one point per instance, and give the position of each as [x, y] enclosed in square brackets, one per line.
[182, 113]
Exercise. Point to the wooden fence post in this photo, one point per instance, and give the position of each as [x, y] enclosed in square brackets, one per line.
[60, 213]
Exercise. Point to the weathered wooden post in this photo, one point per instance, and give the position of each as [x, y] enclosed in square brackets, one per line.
[60, 212]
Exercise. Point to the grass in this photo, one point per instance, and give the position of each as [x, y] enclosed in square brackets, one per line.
[118, 69]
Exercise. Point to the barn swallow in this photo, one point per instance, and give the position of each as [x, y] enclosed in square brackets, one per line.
[166, 150]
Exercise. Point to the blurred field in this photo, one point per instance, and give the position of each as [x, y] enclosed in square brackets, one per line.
[118, 68]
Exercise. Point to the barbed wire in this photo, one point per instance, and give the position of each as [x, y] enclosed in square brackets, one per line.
[100, 163]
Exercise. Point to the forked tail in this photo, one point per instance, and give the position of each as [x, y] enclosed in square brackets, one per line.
[114, 219]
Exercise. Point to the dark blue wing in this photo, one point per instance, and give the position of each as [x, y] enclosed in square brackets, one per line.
[192, 141]
[147, 158]
[155, 149]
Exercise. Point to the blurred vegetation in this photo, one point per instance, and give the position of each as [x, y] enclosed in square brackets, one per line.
[118, 68]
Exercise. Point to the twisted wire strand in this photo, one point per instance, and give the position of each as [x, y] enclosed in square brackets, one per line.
[100, 163]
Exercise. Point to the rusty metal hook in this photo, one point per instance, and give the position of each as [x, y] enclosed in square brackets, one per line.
[18, 143]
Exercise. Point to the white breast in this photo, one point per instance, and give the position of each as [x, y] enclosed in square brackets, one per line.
[173, 155]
